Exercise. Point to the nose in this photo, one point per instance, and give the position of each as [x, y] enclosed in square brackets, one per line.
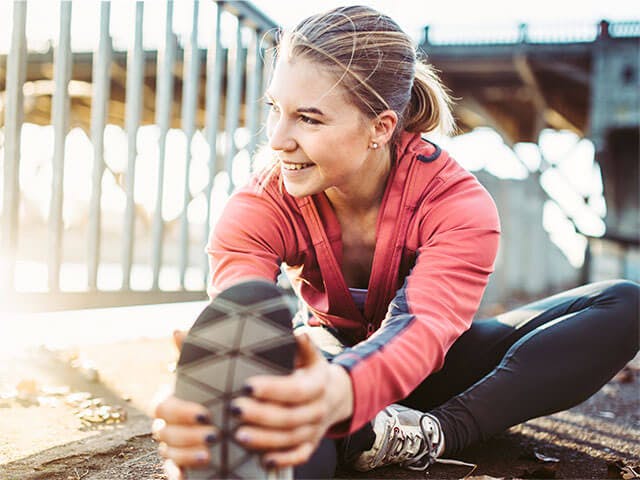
[280, 136]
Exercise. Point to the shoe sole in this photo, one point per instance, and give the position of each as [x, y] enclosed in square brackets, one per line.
[245, 331]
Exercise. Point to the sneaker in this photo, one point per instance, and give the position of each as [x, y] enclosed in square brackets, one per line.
[404, 437]
[245, 331]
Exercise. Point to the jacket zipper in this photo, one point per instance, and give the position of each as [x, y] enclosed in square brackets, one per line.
[370, 329]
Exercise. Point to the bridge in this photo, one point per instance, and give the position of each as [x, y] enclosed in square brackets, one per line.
[586, 81]
[518, 83]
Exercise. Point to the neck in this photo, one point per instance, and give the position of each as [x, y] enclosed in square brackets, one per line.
[364, 193]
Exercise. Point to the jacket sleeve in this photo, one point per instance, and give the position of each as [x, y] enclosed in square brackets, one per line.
[248, 241]
[435, 305]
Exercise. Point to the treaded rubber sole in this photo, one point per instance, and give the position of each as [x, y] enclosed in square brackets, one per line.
[245, 331]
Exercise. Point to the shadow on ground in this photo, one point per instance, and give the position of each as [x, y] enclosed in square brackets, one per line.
[586, 441]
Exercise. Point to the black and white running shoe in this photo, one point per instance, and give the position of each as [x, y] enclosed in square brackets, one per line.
[245, 331]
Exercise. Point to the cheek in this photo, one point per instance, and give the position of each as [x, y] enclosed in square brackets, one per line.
[271, 123]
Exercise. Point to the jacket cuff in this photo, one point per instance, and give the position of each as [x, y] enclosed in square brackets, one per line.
[363, 395]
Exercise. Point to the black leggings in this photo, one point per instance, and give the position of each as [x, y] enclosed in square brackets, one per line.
[539, 359]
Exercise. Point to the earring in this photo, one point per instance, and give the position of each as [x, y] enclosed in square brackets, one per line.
[374, 145]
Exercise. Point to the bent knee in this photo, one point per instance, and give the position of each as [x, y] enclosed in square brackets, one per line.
[626, 295]
[625, 292]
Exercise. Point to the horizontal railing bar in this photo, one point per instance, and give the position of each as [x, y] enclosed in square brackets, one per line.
[45, 302]
[249, 15]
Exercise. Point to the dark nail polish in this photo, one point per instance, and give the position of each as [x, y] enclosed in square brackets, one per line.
[247, 390]
[270, 464]
[235, 410]
[203, 419]
[242, 437]
[202, 457]
[211, 438]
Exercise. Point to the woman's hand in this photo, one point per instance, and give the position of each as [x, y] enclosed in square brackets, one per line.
[184, 429]
[284, 416]
[287, 416]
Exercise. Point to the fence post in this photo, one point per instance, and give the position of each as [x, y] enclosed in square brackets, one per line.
[135, 64]
[99, 109]
[16, 69]
[164, 101]
[191, 74]
[60, 120]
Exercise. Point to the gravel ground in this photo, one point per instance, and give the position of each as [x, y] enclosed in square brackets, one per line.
[593, 440]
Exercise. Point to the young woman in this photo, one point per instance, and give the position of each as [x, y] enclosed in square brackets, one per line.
[388, 244]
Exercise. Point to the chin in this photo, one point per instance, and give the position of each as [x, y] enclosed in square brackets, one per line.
[299, 191]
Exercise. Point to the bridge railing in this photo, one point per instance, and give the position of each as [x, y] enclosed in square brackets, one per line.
[220, 95]
[530, 34]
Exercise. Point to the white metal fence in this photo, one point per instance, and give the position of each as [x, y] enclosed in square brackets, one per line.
[224, 79]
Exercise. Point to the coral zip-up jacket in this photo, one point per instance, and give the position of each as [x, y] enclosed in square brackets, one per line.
[437, 237]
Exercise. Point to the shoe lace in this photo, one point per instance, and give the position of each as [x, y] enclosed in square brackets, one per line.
[428, 452]
[399, 445]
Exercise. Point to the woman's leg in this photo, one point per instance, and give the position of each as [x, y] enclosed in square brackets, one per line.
[541, 358]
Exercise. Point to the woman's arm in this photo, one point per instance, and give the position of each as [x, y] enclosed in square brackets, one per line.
[284, 416]
[459, 240]
[250, 240]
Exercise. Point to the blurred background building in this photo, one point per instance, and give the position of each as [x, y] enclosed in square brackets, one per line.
[121, 141]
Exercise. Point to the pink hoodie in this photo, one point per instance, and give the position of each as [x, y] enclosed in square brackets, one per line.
[437, 232]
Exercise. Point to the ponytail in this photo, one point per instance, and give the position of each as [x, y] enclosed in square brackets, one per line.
[430, 106]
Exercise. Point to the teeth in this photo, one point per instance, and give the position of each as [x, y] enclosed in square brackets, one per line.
[295, 166]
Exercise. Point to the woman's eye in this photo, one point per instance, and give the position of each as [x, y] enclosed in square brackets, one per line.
[309, 120]
[272, 106]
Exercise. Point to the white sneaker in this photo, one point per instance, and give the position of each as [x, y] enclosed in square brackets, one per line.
[406, 437]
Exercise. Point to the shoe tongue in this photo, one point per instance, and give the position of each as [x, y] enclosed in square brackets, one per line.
[432, 434]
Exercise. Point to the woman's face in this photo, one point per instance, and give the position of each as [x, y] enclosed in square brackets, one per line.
[320, 139]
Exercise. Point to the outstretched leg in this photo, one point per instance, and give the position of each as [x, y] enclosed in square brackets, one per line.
[541, 358]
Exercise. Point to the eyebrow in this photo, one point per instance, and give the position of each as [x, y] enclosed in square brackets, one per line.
[313, 110]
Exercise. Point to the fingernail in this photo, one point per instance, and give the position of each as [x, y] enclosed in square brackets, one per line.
[211, 438]
[203, 419]
[201, 457]
[235, 410]
[270, 463]
[247, 390]
[242, 437]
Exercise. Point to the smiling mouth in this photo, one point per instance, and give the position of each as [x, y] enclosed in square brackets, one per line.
[296, 166]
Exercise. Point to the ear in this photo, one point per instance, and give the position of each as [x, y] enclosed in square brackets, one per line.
[383, 126]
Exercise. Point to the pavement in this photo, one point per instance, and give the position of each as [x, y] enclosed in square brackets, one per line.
[76, 388]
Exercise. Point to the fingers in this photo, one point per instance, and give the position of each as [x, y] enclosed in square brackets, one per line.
[183, 436]
[288, 389]
[178, 338]
[254, 438]
[272, 415]
[174, 410]
[185, 457]
[295, 456]
[172, 471]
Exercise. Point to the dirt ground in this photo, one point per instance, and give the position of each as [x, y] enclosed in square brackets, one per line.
[42, 437]
[592, 440]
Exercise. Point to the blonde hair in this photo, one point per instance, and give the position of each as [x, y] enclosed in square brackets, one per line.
[377, 64]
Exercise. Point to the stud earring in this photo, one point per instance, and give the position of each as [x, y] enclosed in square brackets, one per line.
[374, 145]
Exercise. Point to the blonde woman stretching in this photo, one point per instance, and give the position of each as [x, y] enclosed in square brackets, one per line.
[388, 244]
